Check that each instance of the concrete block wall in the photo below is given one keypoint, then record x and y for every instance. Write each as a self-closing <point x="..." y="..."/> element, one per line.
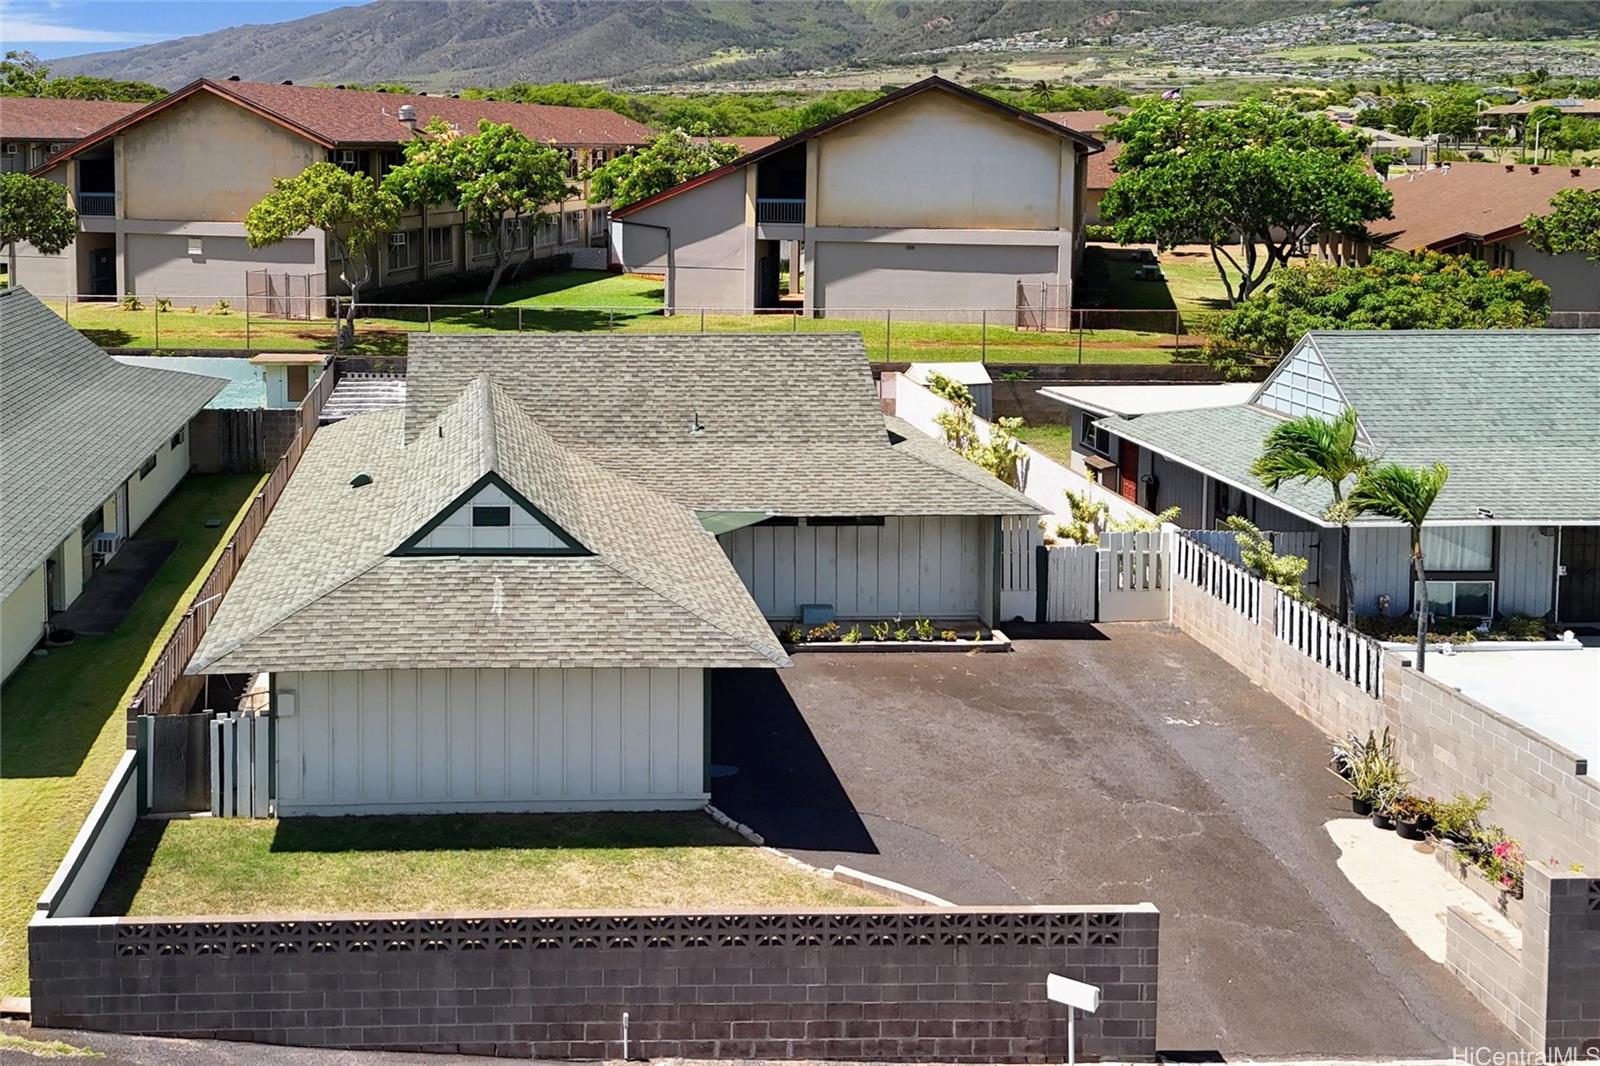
<point x="943" y="984"/>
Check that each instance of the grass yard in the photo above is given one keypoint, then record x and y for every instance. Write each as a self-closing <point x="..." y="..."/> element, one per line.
<point x="589" y="301"/>
<point x="61" y="717"/>
<point x="458" y="863"/>
<point x="1054" y="441"/>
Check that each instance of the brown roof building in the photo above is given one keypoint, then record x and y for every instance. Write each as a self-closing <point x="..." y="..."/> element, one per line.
<point x="1478" y="209"/>
<point x="1101" y="172"/>
<point x="34" y="128"/>
<point x="162" y="191"/>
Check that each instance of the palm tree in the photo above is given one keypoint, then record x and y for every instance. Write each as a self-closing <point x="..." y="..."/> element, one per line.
<point x="1041" y="93"/>
<point x="1311" y="448"/>
<point x="1405" y="493"/>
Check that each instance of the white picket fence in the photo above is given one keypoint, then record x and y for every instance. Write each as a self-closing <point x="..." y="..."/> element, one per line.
<point x="1307" y="544"/>
<point x="1019" y="542"/>
<point x="1356" y="658"/>
<point x="1233" y="585"/>
<point x="1070" y="583"/>
<point x="1133" y="576"/>
<point x="241" y="761"/>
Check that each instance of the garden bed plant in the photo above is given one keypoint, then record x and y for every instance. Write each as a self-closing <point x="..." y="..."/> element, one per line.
<point x="918" y="634"/>
<point x="1459" y="629"/>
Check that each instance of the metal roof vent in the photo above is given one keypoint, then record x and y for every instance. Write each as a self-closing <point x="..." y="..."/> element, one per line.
<point x="696" y="427"/>
<point x="361" y="479"/>
<point x="408" y="115"/>
<point x="233" y="77"/>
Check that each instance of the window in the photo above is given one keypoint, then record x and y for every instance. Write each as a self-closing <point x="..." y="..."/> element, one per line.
<point x="403" y="251"/>
<point x="177" y="439"/>
<point x="56" y="147"/>
<point x="572" y="161"/>
<point x="441" y="246"/>
<point x="348" y="160"/>
<point x="196" y="246"/>
<point x="1094" y="437"/>
<point x="11" y="148"/>
<point x="1458" y="548"/>
<point x="573" y="231"/>
<point x="390" y="160"/>
<point x="1469" y="599"/>
<point x="147" y="468"/>
<point x="547" y="232"/>
<point x="845" y="520"/>
<point x="491" y="516"/>
<point x="598" y="217"/>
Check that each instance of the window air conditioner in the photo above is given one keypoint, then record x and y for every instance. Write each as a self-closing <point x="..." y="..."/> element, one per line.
<point x="397" y="240"/>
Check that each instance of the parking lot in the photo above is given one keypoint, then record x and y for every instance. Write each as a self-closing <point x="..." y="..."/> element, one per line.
<point x="1111" y="764"/>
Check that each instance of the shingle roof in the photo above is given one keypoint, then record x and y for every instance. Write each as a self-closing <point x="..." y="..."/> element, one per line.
<point x="356" y="117"/>
<point x="74" y="424"/>
<point x="1514" y="414"/>
<point x="789" y="424"/>
<point x="323" y="588"/>
<point x="31" y="118"/>
<point x="1436" y="208"/>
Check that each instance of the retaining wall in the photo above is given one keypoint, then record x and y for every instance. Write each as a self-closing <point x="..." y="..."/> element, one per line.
<point x="946" y="984"/>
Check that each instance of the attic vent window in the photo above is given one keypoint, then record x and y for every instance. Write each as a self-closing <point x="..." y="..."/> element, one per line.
<point x="491" y="516"/>
<point x="361" y="479"/>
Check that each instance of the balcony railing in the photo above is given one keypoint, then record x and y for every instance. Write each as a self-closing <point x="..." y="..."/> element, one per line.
<point x="786" y="211"/>
<point x="97" y="203"/>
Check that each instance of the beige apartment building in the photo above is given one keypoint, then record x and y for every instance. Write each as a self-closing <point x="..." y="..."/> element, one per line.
<point x="934" y="199"/>
<point x="32" y="129"/>
<point x="162" y="192"/>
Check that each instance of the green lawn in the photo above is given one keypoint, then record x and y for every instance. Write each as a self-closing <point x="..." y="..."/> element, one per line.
<point x="590" y="301"/>
<point x="61" y="717"/>
<point x="1192" y="285"/>
<point x="1054" y="441"/>
<point x="526" y="863"/>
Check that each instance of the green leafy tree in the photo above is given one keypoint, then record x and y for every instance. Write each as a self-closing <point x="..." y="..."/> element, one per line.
<point x="668" y="160"/>
<point x="34" y="210"/>
<point x="494" y="177"/>
<point x="23" y="74"/>
<point x="352" y="212"/>
<point x="1573" y="224"/>
<point x="1261" y="559"/>
<point x="1397" y="290"/>
<point x="1405" y="494"/>
<point x="1250" y="182"/>
<point x="1310" y="449"/>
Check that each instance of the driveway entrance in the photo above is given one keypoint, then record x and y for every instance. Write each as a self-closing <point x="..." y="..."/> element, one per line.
<point x="1117" y="765"/>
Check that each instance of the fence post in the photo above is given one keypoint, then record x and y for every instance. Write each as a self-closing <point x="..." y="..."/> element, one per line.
<point x="702" y="320"/>
<point x="794" y="323"/>
<point x="983" y="337"/>
<point x="158" y="328"/>
<point x="1177" y="333"/>
<point x="430" y="316"/>
<point x="519" y="319"/>
<point x="247" y="323"/>
<point x="611" y="321"/>
<point x="888" y="333"/>
<point x="1080" y="337"/>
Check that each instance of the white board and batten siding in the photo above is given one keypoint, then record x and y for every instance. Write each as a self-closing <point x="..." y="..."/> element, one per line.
<point x="1381" y="565"/>
<point x="524" y="532"/>
<point x="380" y="741"/>
<point x="929" y="566"/>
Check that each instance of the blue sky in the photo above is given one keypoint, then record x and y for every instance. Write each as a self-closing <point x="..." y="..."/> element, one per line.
<point x="51" y="28"/>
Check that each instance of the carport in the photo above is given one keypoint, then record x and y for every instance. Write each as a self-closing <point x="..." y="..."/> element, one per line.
<point x="1111" y="765"/>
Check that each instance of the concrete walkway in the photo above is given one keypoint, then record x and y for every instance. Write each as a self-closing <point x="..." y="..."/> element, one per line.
<point x="1128" y="764"/>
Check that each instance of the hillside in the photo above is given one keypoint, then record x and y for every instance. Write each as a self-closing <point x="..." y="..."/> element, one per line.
<point x="455" y="43"/>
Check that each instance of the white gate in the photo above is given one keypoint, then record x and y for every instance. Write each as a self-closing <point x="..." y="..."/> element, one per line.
<point x="241" y="760"/>
<point x="1069" y="583"/>
<point x="1135" y="577"/>
<point x="1019" y="542"/>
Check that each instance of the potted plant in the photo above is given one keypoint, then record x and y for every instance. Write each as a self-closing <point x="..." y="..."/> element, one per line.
<point x="1385" y="797"/>
<point x="1371" y="770"/>
<point x="1413" y="816"/>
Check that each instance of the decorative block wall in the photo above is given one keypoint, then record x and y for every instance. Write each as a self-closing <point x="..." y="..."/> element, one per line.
<point x="946" y="984"/>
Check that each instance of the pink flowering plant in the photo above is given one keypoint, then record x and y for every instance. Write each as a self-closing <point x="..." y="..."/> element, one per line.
<point x="1500" y="858"/>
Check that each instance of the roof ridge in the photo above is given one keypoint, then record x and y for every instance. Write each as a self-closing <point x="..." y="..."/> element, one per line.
<point x="655" y="586"/>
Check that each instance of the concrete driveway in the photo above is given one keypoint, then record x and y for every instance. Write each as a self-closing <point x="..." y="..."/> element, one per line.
<point x="1108" y="765"/>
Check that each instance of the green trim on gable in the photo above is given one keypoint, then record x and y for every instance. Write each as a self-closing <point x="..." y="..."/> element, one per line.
<point x="411" y="546"/>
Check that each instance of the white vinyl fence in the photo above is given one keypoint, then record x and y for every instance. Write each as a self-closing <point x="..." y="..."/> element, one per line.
<point x="1020" y="540"/>
<point x="1134" y="571"/>
<point x="1233" y="585"/>
<point x="1070" y="583"/>
<point x="1307" y="544"/>
<point x="241" y="762"/>
<point x="1356" y="658"/>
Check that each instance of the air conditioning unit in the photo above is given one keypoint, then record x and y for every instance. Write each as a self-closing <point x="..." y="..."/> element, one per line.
<point x="347" y="156"/>
<point x="11" y="148"/>
<point x="397" y="240"/>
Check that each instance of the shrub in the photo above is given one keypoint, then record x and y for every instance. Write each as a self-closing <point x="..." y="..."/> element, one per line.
<point x="828" y="631"/>
<point x="1100" y="232"/>
<point x="949" y="635"/>
<point x="1258" y="556"/>
<point x="851" y="636"/>
<point x="792" y="634"/>
<point x="222" y="307"/>
<point x="163" y="304"/>
<point x="131" y="303"/>
<point x="924" y="629"/>
<point x="880" y="630"/>
<point x="902" y="634"/>
<point x="1458" y="817"/>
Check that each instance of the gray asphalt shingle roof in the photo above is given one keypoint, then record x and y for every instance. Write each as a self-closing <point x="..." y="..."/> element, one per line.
<point x="74" y="424"/>
<point x="789" y="424"/>
<point x="322" y="589"/>
<point x="1514" y="414"/>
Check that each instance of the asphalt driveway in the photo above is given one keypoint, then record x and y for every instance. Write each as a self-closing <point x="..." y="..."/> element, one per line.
<point x="1120" y="764"/>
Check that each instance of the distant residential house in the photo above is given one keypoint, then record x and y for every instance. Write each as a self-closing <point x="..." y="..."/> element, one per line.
<point x="1514" y="414"/>
<point x="162" y="192"/>
<point x="32" y="129"/>
<point x="933" y="199"/>
<point x="506" y="594"/>
<point x="1477" y="209"/>
<point x="1412" y="151"/>
<point x="1515" y="114"/>
<point x="88" y="448"/>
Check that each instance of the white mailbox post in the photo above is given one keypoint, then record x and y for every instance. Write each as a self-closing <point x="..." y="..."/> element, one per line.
<point x="1077" y="996"/>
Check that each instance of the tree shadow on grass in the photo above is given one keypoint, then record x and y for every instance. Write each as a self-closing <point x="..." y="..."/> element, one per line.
<point x="109" y="338"/>
<point x="488" y="832"/>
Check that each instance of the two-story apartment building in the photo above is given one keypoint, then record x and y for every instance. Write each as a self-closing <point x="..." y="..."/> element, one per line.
<point x="162" y="192"/>
<point x="32" y="129"/>
<point x="934" y="199"/>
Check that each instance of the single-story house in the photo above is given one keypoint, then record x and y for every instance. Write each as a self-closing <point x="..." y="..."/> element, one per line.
<point x="505" y="594"/>
<point x="1514" y="414"/>
<point x="1477" y="209"/>
<point x="1095" y="455"/>
<point x="998" y="203"/>
<point x="88" y="448"/>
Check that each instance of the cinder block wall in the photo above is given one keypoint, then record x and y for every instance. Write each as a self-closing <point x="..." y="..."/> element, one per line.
<point x="945" y="984"/>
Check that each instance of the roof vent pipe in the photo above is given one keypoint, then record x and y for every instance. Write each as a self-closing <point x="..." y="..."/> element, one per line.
<point x="408" y="115"/>
<point x="286" y="81"/>
<point x="233" y="77"/>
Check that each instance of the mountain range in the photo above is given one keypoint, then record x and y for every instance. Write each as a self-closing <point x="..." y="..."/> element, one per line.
<point x="441" y="44"/>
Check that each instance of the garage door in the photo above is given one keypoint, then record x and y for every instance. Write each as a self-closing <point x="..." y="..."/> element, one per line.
<point x="928" y="276"/>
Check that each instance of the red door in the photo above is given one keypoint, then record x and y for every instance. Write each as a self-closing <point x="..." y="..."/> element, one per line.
<point x="1128" y="468"/>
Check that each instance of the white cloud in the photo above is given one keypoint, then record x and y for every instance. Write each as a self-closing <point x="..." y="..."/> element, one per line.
<point x="22" y="29"/>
